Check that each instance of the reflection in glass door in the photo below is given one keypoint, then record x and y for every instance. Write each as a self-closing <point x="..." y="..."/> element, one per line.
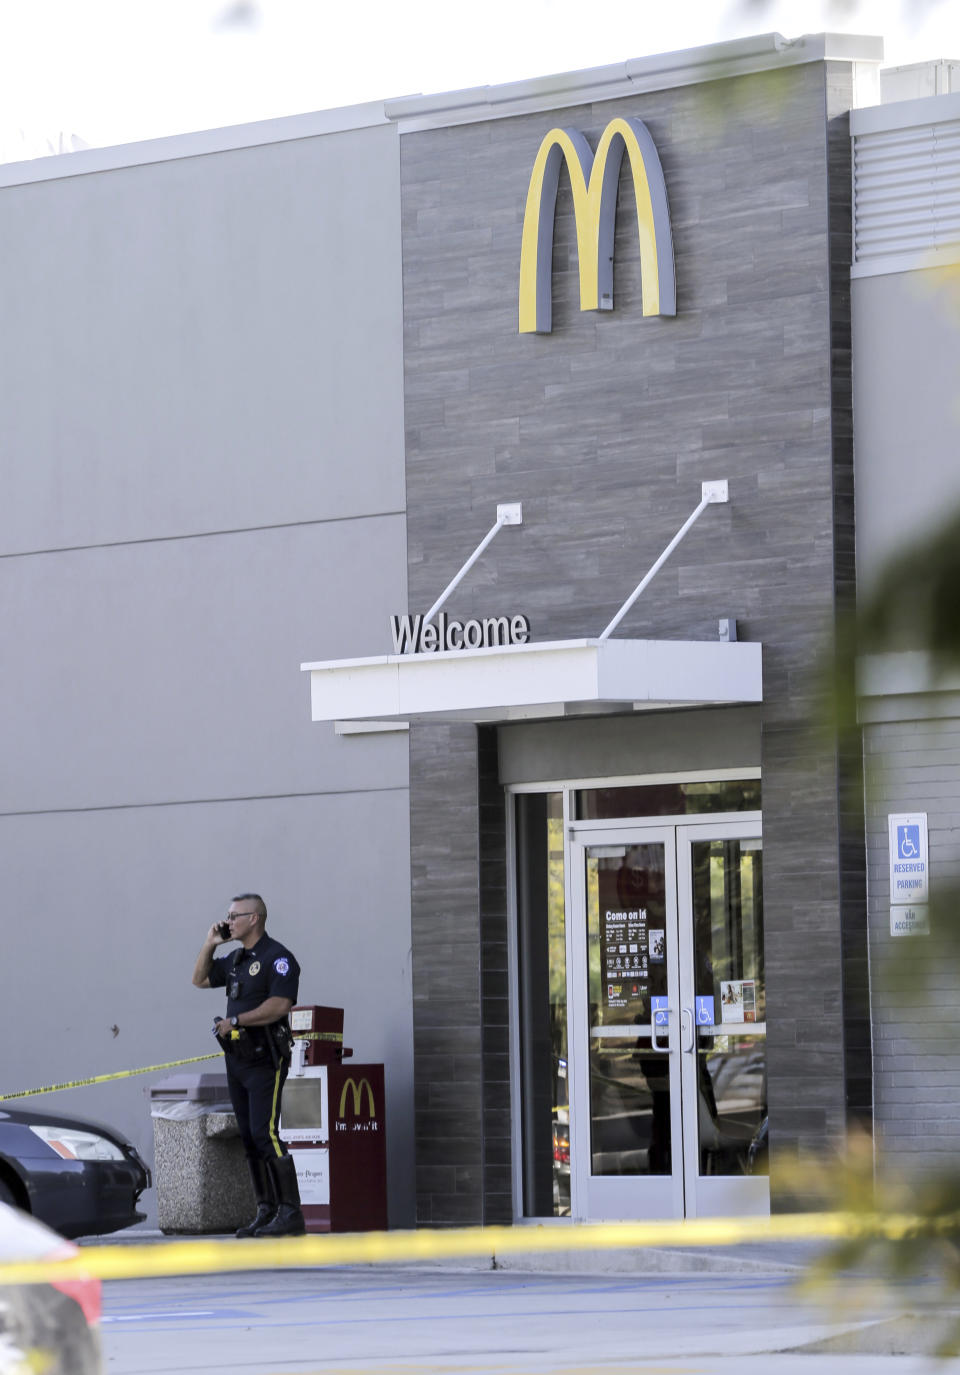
<point x="541" y="957"/>
<point x="725" y="1157"/>
<point x="627" y="972"/>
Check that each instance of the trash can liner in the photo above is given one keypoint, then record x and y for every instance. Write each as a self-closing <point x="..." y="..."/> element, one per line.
<point x="185" y="1111"/>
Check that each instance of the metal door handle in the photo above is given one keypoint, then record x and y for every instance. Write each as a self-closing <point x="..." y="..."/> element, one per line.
<point x="686" y="1019"/>
<point x="654" y="1043"/>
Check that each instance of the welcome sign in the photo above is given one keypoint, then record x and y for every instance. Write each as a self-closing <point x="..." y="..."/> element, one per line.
<point x="414" y="635"/>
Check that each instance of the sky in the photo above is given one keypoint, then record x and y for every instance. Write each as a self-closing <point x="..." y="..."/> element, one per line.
<point x="117" y="71"/>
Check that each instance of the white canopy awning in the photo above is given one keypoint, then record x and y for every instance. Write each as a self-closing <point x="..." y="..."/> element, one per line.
<point x="521" y="682"/>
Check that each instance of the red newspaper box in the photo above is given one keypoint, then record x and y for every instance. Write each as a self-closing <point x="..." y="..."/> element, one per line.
<point x="321" y="1031"/>
<point x="333" y="1122"/>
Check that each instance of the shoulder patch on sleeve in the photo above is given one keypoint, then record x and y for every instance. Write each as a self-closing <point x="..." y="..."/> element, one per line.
<point x="282" y="966"/>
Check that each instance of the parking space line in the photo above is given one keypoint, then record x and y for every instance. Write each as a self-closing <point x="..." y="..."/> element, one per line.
<point x="141" y="1317"/>
<point x="445" y="1368"/>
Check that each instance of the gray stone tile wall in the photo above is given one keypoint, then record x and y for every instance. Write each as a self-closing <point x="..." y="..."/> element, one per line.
<point x="858" y="1067"/>
<point x="460" y="979"/>
<point x="497" y="1196"/>
<point x="605" y="429"/>
<point x="447" y="1031"/>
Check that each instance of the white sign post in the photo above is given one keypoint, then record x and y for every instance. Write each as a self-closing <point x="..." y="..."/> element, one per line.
<point x="909" y="874"/>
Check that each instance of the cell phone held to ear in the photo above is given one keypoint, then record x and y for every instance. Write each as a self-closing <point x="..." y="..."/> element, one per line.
<point x="223" y="929"/>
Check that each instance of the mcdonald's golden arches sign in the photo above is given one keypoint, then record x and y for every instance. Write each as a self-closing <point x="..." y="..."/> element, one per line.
<point x="356" y="1091"/>
<point x="594" y="179"/>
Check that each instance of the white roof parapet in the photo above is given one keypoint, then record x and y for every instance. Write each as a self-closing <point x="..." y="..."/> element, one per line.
<point x="173" y="147"/>
<point x="686" y="67"/>
<point x="553" y="678"/>
<point x="906" y="114"/>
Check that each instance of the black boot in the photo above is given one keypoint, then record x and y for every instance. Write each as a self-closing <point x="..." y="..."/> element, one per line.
<point x="265" y="1194"/>
<point x="288" y="1219"/>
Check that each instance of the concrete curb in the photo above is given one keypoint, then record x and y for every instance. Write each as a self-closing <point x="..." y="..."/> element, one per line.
<point x="786" y="1259"/>
<point x="652" y="1261"/>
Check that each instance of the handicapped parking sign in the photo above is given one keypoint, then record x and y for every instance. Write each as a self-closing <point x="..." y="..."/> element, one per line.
<point x="704" y="1011"/>
<point x="909" y="859"/>
<point x="908" y="842"/>
<point x="661" y="1011"/>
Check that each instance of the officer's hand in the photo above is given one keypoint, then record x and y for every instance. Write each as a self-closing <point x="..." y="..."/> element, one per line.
<point x="215" y="936"/>
<point x="223" y="1027"/>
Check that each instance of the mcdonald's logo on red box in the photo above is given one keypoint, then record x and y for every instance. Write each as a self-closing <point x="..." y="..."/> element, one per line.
<point x="353" y="1092"/>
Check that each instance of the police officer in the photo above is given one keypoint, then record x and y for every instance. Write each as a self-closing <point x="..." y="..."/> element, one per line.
<point x="261" y="979"/>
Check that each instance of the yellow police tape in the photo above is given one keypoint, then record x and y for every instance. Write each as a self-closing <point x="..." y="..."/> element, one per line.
<point x="361" y="1248"/>
<point x="102" y="1078"/>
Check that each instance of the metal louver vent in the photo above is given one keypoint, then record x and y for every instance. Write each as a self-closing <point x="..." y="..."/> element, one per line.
<point x="906" y="185"/>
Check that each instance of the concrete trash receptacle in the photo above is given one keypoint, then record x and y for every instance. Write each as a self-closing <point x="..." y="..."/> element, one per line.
<point x="201" y="1175"/>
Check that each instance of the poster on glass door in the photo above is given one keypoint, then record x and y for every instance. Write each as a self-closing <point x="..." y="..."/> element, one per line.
<point x="625" y="953"/>
<point x="738" y="1000"/>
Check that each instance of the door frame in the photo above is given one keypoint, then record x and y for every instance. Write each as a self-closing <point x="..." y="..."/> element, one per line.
<point x="708" y="1195"/>
<point x="571" y="830"/>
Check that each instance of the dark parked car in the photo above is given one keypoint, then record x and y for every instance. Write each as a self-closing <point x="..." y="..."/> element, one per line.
<point x="79" y="1177"/>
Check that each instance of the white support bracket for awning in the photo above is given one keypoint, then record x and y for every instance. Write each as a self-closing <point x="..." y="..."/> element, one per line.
<point x="712" y="494"/>
<point x="508" y="513"/>
<point x="535" y="682"/>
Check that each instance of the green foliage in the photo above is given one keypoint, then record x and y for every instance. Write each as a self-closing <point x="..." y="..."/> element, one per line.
<point x="913" y="606"/>
<point x="915" y="603"/>
<point x="924" y="1255"/>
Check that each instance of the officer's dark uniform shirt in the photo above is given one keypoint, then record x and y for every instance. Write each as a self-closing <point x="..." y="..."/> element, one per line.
<point x="250" y="977"/>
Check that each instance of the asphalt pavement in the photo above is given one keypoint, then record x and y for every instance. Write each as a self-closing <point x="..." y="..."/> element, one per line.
<point x="482" y="1321"/>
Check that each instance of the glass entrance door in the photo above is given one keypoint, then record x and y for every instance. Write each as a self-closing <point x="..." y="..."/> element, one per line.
<point x="723" y="1020"/>
<point x="667" y="1021"/>
<point x="625" y="1103"/>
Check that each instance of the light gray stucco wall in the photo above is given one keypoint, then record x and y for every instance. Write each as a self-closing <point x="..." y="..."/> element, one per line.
<point x="209" y="343"/>
<point x="906" y="373"/>
<point x="201" y="446"/>
<point x="906" y="402"/>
